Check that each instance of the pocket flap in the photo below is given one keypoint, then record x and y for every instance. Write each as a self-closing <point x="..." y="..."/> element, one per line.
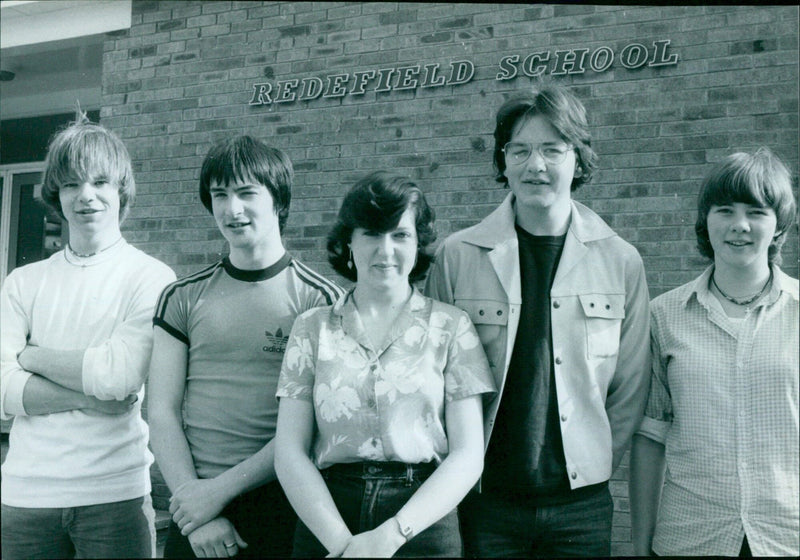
<point x="605" y="306"/>
<point x="485" y="312"/>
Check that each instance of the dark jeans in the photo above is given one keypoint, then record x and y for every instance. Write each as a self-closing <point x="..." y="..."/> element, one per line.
<point x="494" y="526"/>
<point x="114" y="530"/>
<point x="262" y="517"/>
<point x="367" y="494"/>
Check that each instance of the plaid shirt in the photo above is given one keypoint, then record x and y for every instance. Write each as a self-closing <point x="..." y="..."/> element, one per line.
<point x="724" y="402"/>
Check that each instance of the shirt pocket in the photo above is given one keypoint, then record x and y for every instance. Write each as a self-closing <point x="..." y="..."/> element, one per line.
<point x="490" y="318"/>
<point x="603" y="315"/>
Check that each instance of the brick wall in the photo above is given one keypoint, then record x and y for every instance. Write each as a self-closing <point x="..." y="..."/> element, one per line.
<point x="181" y="78"/>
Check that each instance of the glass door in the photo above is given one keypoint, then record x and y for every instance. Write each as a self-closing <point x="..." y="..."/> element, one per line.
<point x="28" y="231"/>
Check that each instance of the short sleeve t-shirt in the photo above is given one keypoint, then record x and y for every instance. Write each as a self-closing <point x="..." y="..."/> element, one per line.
<point x="236" y="324"/>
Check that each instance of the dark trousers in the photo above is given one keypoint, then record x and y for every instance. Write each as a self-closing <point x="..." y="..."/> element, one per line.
<point x="367" y="494"/>
<point x="262" y="517"/>
<point x="512" y="527"/>
<point x="114" y="530"/>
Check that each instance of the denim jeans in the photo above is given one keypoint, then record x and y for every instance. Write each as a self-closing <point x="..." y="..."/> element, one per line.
<point x="115" y="530"/>
<point x="263" y="518"/>
<point x="494" y="526"/>
<point x="367" y="494"/>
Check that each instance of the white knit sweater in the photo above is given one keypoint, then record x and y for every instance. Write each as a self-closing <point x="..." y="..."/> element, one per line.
<point x="103" y="304"/>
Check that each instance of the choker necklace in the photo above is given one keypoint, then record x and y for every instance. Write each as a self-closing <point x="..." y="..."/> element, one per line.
<point x="87" y="255"/>
<point x="745" y="300"/>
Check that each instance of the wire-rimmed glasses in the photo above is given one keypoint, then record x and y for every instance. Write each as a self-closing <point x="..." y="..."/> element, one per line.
<point x="519" y="152"/>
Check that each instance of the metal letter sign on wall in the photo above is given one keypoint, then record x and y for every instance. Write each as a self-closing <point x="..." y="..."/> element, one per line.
<point x="557" y="63"/>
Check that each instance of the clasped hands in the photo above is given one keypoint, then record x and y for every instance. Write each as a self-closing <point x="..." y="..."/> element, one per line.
<point x="381" y="542"/>
<point x="195" y="506"/>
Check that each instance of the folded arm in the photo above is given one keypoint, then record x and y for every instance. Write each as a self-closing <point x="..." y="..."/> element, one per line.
<point x="42" y="396"/>
<point x="63" y="367"/>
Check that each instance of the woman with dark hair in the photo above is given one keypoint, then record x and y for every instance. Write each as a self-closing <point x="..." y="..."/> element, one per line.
<point x="380" y="419"/>
<point x="715" y="462"/>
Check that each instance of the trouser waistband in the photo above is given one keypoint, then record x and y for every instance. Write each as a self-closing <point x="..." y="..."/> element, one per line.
<point x="382" y="469"/>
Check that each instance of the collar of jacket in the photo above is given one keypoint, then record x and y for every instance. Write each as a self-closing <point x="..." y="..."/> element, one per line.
<point x="498" y="227"/>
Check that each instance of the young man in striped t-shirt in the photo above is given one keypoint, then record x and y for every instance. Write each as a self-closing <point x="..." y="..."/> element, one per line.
<point x="219" y="341"/>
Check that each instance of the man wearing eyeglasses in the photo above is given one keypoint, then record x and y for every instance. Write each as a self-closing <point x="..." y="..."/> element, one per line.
<point x="560" y="303"/>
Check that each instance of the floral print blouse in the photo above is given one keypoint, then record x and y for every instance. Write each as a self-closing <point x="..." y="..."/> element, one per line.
<point x="387" y="403"/>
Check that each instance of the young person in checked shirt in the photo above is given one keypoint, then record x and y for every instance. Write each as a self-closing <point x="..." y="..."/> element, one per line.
<point x="715" y="461"/>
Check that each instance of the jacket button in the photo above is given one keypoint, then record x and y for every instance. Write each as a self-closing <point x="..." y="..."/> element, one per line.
<point x="574" y="475"/>
<point x="563" y="417"/>
<point x="480" y="312"/>
<point x="556" y="304"/>
<point x="591" y="304"/>
<point x="608" y="306"/>
<point x="558" y="361"/>
<point x="499" y="312"/>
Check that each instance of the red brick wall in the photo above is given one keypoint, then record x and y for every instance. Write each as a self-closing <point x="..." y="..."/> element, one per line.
<point x="182" y="76"/>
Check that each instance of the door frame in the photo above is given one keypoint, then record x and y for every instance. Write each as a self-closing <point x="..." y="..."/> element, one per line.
<point x="7" y="172"/>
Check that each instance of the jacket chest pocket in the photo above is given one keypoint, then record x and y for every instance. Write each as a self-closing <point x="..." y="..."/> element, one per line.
<point x="603" y="315"/>
<point x="490" y="318"/>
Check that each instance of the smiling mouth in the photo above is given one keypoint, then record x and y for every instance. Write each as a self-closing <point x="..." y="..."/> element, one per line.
<point x="738" y="243"/>
<point x="238" y="225"/>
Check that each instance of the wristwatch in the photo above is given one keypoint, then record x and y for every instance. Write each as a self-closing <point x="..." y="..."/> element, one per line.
<point x="405" y="528"/>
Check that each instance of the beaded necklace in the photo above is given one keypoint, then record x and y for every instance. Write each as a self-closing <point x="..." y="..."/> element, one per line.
<point x="745" y="300"/>
<point x="86" y="256"/>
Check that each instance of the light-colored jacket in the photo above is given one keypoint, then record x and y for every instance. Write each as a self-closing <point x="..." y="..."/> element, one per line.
<point x="600" y="327"/>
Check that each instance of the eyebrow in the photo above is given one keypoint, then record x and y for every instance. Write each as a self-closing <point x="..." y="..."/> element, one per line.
<point x="246" y="186"/>
<point x="72" y="178"/>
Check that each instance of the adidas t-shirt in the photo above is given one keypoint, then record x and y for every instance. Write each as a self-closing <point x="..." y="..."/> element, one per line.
<point x="236" y="324"/>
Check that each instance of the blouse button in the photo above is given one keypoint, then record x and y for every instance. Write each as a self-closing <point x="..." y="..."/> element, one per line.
<point x="563" y="417"/>
<point x="608" y="306"/>
<point x="499" y="311"/>
<point x="556" y="304"/>
<point x="591" y="304"/>
<point x="371" y="403"/>
<point x="574" y="475"/>
<point x="373" y="367"/>
<point x="558" y="361"/>
<point x="480" y="312"/>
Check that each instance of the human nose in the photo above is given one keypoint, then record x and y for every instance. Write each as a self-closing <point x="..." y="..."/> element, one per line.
<point x="234" y="205"/>
<point x="740" y="222"/>
<point x="385" y="244"/>
<point x="85" y="191"/>
<point x="536" y="159"/>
